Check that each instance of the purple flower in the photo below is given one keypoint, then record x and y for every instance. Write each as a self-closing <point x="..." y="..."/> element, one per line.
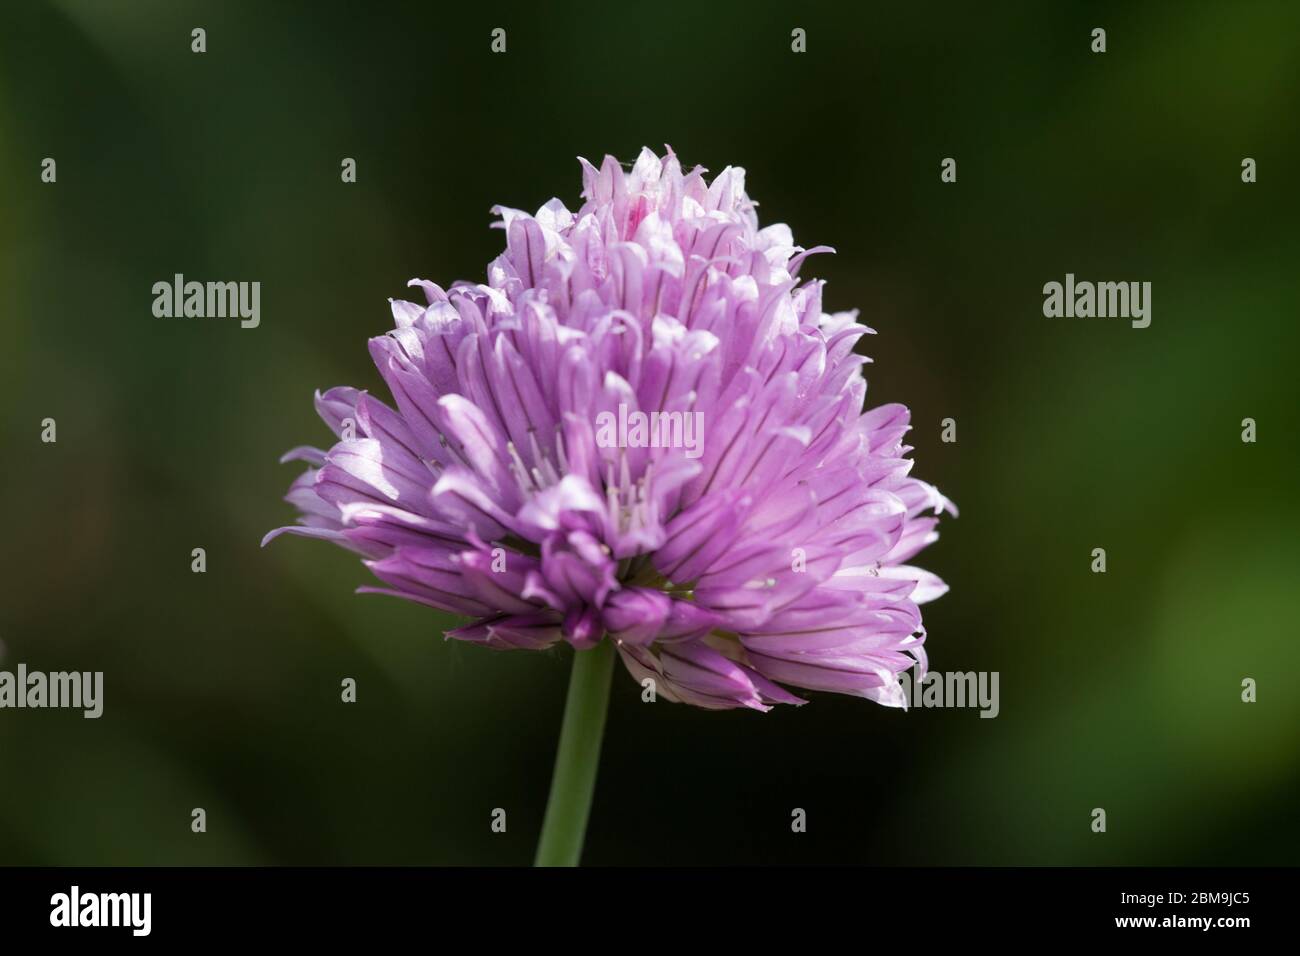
<point x="642" y="428"/>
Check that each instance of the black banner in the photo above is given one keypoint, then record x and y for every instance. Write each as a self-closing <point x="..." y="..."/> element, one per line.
<point x="498" y="905"/>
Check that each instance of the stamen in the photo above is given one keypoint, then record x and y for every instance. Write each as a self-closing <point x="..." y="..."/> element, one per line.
<point x="559" y="450"/>
<point x="519" y="468"/>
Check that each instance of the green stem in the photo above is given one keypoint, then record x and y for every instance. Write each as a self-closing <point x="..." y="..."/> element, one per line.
<point x="577" y="757"/>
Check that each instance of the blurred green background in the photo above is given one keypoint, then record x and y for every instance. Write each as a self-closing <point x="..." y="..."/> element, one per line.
<point x="1119" y="690"/>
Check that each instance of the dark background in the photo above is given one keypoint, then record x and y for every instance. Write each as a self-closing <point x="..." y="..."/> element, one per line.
<point x="1119" y="691"/>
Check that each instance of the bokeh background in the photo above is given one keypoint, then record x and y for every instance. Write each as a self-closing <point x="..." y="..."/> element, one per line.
<point x="1119" y="691"/>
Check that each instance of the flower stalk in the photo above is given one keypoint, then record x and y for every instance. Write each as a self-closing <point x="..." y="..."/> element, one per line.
<point x="577" y="758"/>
